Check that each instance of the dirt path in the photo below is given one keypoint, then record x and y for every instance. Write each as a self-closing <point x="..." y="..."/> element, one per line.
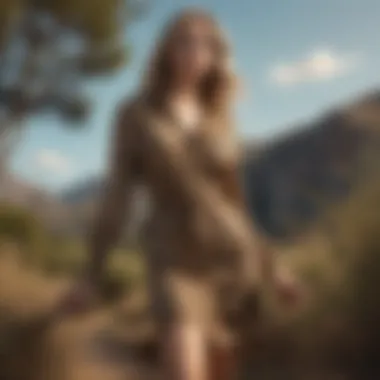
<point x="100" y="346"/>
<point x="86" y="348"/>
<point x="90" y="351"/>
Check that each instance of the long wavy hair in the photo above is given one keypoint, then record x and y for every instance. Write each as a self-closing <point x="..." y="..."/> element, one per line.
<point x="217" y="88"/>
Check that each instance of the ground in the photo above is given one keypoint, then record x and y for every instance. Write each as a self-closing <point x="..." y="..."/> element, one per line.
<point x="108" y="344"/>
<point x="81" y="348"/>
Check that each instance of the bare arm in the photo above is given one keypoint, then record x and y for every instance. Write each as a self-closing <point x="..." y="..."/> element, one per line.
<point x="115" y="205"/>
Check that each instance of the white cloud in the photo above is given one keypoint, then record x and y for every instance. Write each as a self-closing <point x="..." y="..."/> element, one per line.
<point x="319" y="65"/>
<point x="53" y="161"/>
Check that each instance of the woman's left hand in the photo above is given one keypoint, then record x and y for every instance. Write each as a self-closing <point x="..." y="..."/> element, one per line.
<point x="288" y="288"/>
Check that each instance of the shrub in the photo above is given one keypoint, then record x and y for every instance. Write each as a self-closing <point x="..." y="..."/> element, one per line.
<point x="20" y="227"/>
<point x="124" y="271"/>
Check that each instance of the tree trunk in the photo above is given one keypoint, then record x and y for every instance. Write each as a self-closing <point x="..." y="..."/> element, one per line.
<point x="9" y="138"/>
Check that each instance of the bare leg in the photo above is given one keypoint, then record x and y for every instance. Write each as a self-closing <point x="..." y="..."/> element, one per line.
<point x="185" y="353"/>
<point x="223" y="364"/>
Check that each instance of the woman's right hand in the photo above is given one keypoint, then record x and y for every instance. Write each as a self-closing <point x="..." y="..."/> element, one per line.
<point x="81" y="298"/>
<point x="289" y="290"/>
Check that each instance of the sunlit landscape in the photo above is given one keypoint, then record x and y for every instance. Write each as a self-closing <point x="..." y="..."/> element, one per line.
<point x="311" y="187"/>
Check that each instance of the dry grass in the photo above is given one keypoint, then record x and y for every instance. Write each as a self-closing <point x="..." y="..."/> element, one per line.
<point x="102" y="345"/>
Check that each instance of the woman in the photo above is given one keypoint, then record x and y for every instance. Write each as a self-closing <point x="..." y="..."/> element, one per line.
<point x="186" y="103"/>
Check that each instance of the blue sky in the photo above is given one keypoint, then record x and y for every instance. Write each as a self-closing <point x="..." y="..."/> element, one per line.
<point x="295" y="58"/>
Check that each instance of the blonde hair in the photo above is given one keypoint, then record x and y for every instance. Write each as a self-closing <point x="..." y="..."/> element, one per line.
<point x="218" y="87"/>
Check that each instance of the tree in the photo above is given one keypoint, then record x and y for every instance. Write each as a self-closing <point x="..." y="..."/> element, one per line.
<point x="46" y="48"/>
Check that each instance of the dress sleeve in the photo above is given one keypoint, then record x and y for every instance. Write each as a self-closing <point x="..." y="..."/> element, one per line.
<point x="124" y="163"/>
<point x="123" y="173"/>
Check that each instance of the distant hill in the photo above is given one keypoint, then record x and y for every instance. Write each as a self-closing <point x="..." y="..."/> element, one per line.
<point x="81" y="191"/>
<point x="42" y="204"/>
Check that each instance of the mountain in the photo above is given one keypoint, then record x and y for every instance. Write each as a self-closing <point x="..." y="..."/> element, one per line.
<point x="295" y="178"/>
<point x="289" y="182"/>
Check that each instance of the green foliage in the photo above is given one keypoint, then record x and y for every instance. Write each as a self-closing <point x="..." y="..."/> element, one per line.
<point x="73" y="110"/>
<point x="57" y="255"/>
<point x="95" y="65"/>
<point x="97" y="18"/>
<point x="124" y="272"/>
<point x="9" y="10"/>
<point x="362" y="245"/>
<point x="341" y="271"/>
<point x="100" y="22"/>
<point x="46" y="28"/>
<point x="18" y="226"/>
<point x="63" y="257"/>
